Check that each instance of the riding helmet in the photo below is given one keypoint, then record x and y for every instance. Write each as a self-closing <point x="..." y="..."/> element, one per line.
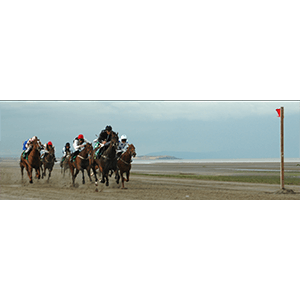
<point x="50" y="143"/>
<point x="123" y="137"/>
<point x="80" y="136"/>
<point x="108" y="128"/>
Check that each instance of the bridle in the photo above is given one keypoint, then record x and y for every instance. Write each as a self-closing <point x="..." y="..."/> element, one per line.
<point x="89" y="153"/>
<point x="131" y="153"/>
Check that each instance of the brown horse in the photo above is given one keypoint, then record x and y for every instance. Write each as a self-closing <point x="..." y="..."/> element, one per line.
<point x="107" y="161"/>
<point x="124" y="163"/>
<point x="64" y="164"/>
<point x="81" y="163"/>
<point x="33" y="161"/>
<point x="48" y="162"/>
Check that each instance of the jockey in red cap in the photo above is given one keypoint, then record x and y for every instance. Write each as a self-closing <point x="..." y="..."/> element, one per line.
<point x="78" y="143"/>
<point x="47" y="148"/>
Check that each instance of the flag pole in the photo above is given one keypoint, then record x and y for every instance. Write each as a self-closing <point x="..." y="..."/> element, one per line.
<point x="282" y="148"/>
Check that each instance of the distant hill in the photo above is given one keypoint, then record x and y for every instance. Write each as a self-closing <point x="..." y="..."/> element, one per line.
<point x="156" y="157"/>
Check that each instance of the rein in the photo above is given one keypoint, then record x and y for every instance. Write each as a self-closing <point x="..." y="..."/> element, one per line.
<point x="130" y="155"/>
<point x="88" y="155"/>
<point x="123" y="161"/>
<point x="83" y="157"/>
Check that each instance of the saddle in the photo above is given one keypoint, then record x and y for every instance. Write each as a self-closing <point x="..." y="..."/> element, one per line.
<point x="73" y="156"/>
<point x="25" y="155"/>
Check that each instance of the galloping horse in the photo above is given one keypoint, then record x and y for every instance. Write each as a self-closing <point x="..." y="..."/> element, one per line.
<point x="33" y="161"/>
<point x="81" y="163"/>
<point x="48" y="162"/>
<point x="107" y="161"/>
<point x="124" y="163"/>
<point x="64" y="165"/>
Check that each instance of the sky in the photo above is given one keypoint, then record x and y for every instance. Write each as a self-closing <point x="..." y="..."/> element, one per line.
<point x="184" y="129"/>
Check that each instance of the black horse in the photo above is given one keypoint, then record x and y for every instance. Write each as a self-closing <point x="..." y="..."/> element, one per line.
<point x="48" y="162"/>
<point x="107" y="161"/>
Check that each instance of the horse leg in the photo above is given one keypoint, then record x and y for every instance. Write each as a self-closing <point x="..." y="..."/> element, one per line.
<point x="76" y="173"/>
<point x="117" y="176"/>
<point x="106" y="176"/>
<point x="39" y="172"/>
<point x="29" y="172"/>
<point x="103" y="177"/>
<point x="83" y="181"/>
<point x="49" y="174"/>
<point x="123" y="179"/>
<point x="127" y="175"/>
<point x="96" y="179"/>
<point x="72" y="173"/>
<point x="43" y="171"/>
<point x="22" y="170"/>
<point x="89" y="173"/>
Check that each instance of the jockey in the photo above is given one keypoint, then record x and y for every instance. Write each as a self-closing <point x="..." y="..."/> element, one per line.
<point x="104" y="139"/>
<point x="78" y="143"/>
<point x="66" y="149"/>
<point x="123" y="145"/>
<point x="27" y="145"/>
<point x="47" y="148"/>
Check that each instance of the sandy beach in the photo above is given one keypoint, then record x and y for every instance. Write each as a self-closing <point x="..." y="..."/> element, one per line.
<point x="149" y="187"/>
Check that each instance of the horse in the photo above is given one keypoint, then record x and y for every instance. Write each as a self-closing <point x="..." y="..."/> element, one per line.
<point x="64" y="164"/>
<point x="48" y="162"/>
<point x="33" y="161"/>
<point x="81" y="163"/>
<point x="124" y="163"/>
<point x="107" y="161"/>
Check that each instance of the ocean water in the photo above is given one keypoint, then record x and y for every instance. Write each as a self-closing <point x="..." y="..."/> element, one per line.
<point x="200" y="161"/>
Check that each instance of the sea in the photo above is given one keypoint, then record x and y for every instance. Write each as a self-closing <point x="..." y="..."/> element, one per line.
<point x="206" y="161"/>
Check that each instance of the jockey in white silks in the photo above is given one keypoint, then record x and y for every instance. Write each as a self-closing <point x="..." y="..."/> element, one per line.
<point x="78" y="143"/>
<point x="123" y="145"/>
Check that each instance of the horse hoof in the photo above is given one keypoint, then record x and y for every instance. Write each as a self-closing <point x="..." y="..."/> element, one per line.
<point x="30" y="181"/>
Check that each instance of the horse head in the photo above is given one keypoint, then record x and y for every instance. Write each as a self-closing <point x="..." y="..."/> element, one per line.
<point x="51" y="152"/>
<point x="36" y="144"/>
<point x="88" y="148"/>
<point x="114" y="142"/>
<point x="131" y="150"/>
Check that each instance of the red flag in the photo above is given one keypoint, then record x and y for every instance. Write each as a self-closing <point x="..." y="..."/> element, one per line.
<point x="278" y="111"/>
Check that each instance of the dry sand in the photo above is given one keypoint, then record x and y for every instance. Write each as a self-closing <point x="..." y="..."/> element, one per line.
<point x="147" y="187"/>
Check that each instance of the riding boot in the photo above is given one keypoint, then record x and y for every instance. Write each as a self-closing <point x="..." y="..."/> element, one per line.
<point x="74" y="155"/>
<point x="26" y="152"/>
<point x="100" y="152"/>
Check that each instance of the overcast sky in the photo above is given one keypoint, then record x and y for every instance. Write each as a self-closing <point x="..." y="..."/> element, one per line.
<point x="219" y="129"/>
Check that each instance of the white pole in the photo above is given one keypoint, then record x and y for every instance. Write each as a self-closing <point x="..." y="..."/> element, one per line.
<point x="282" y="148"/>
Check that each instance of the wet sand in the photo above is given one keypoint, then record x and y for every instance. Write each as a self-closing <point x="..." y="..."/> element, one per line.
<point x="141" y="187"/>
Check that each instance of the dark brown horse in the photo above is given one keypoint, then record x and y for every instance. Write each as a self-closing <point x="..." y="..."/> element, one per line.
<point x="64" y="164"/>
<point x="124" y="163"/>
<point x="81" y="163"/>
<point x="33" y="161"/>
<point x="107" y="161"/>
<point x="48" y="162"/>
